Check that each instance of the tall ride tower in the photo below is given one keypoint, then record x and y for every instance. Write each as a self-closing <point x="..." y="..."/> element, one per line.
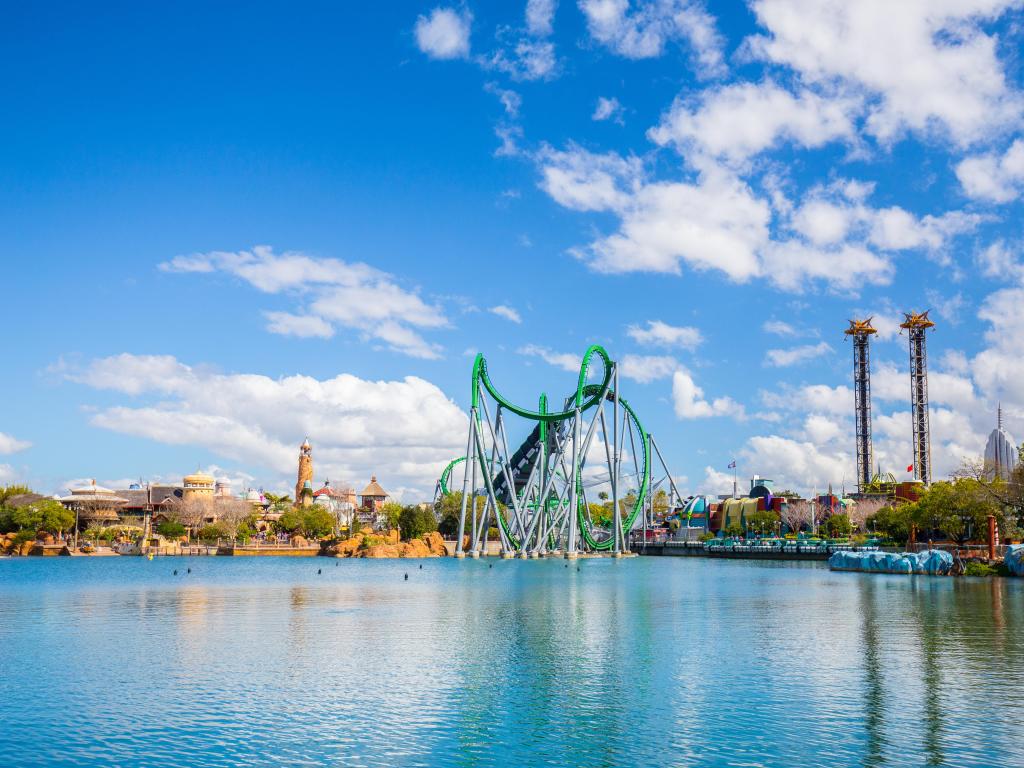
<point x="860" y="331"/>
<point x="916" y="324"/>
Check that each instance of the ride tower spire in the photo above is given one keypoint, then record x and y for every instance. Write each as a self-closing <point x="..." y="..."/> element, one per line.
<point x="916" y="323"/>
<point x="861" y="331"/>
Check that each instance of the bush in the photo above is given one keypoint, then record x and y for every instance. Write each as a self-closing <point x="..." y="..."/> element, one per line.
<point x="414" y="522"/>
<point x="170" y="529"/>
<point x="492" y="534"/>
<point x="211" y="532"/>
<point x="706" y="536"/>
<point x="978" y="568"/>
<point x="22" y="536"/>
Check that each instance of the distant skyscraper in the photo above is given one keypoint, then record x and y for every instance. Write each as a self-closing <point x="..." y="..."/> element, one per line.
<point x="1000" y="451"/>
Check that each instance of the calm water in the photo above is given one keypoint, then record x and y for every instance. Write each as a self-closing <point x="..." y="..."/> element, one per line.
<point x="647" y="661"/>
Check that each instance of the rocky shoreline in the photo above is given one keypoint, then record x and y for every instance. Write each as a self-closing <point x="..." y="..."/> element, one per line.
<point x="386" y="545"/>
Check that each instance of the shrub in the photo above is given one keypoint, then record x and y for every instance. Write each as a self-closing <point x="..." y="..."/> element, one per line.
<point x="211" y="532"/>
<point x="171" y="529"/>
<point x="492" y="534"/>
<point x="706" y="536"/>
<point x="978" y="568"/>
<point x="22" y="536"/>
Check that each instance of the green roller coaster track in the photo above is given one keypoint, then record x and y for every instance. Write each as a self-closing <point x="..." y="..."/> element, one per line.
<point x="586" y="398"/>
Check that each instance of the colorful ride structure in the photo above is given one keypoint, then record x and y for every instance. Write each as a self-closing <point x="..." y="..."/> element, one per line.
<point x="544" y="497"/>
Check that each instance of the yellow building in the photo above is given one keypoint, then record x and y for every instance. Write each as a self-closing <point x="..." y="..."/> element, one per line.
<point x="198" y="486"/>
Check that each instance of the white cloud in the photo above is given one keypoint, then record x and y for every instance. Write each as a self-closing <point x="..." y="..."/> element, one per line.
<point x="303" y="326"/>
<point x="717" y="222"/>
<point x="740" y="120"/>
<point x="403" y="431"/>
<point x="663" y="334"/>
<point x="993" y="177"/>
<point x="338" y="293"/>
<point x="11" y="444"/>
<point x="689" y="402"/>
<point x="507" y="312"/>
<point x="794" y="355"/>
<point x="526" y="59"/>
<point x="715" y="483"/>
<point x="444" y="34"/>
<point x="510" y="100"/>
<point x="796" y="463"/>
<point x="921" y="64"/>
<point x="647" y="368"/>
<point x="607" y="109"/>
<point x="1002" y="261"/>
<point x="642" y="31"/>
<point x="563" y="360"/>
<point x="779" y="328"/>
<point x="540" y="16"/>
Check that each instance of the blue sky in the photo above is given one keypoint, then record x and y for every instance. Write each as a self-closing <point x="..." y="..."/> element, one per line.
<point x="225" y="228"/>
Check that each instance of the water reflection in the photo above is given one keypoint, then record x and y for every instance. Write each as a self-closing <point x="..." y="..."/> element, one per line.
<point x="642" y="662"/>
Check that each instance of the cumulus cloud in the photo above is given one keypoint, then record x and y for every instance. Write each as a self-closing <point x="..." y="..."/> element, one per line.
<point x="444" y="33"/>
<point x="564" y="360"/>
<point x="998" y="178"/>
<point x="690" y="403"/>
<point x="779" y="328"/>
<point x="540" y="15"/>
<point x="735" y="122"/>
<point x="336" y="293"/>
<point x="921" y="65"/>
<point x="10" y="444"/>
<point x="608" y="109"/>
<point x="641" y="31"/>
<point x="403" y="430"/>
<point x="647" y="368"/>
<point x="662" y="334"/>
<point x="780" y="358"/>
<point x="507" y="312"/>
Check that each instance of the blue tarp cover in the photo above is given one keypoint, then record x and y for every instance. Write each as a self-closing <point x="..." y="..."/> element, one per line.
<point x="933" y="562"/>
<point x="1015" y="559"/>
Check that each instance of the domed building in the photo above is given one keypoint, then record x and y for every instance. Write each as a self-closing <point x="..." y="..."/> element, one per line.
<point x="1000" y="451"/>
<point x="199" y="486"/>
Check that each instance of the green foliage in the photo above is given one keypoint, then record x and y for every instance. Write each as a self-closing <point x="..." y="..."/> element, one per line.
<point x="42" y="515"/>
<point x="762" y="521"/>
<point x="244" y="532"/>
<point x="276" y="502"/>
<point x="317" y="522"/>
<point x="601" y="514"/>
<point x="22" y="536"/>
<point x="706" y="536"/>
<point x="733" y="529"/>
<point x="787" y="494"/>
<point x="211" y="532"/>
<point x="659" y="502"/>
<point x="979" y="568"/>
<point x="291" y="521"/>
<point x="392" y="511"/>
<point x="355" y="526"/>
<point x="171" y="529"/>
<point x="838" y="526"/>
<point x="893" y="522"/>
<point x="450" y="508"/>
<point x="958" y="510"/>
<point x="493" y="534"/>
<point x="414" y="522"/>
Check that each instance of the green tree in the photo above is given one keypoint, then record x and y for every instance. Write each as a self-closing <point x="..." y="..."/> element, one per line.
<point x="415" y="522"/>
<point x="893" y="522"/>
<point x="392" y="511"/>
<point x="278" y="502"/>
<point x="211" y="532"/>
<point x="450" y="508"/>
<point x="171" y="529"/>
<point x="838" y="526"/>
<point x="290" y="521"/>
<point x="659" y="503"/>
<point x="601" y="514"/>
<point x="762" y="522"/>
<point x="317" y="522"/>
<point x="43" y="515"/>
<point x="733" y="529"/>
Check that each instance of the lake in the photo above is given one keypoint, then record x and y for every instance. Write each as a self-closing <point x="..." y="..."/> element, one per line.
<point x="643" y="661"/>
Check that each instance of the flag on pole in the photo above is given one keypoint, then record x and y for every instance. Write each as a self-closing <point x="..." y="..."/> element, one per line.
<point x="910" y="468"/>
<point x="732" y="464"/>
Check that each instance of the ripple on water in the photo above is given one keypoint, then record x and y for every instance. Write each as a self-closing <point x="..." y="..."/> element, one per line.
<point x="652" y="661"/>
